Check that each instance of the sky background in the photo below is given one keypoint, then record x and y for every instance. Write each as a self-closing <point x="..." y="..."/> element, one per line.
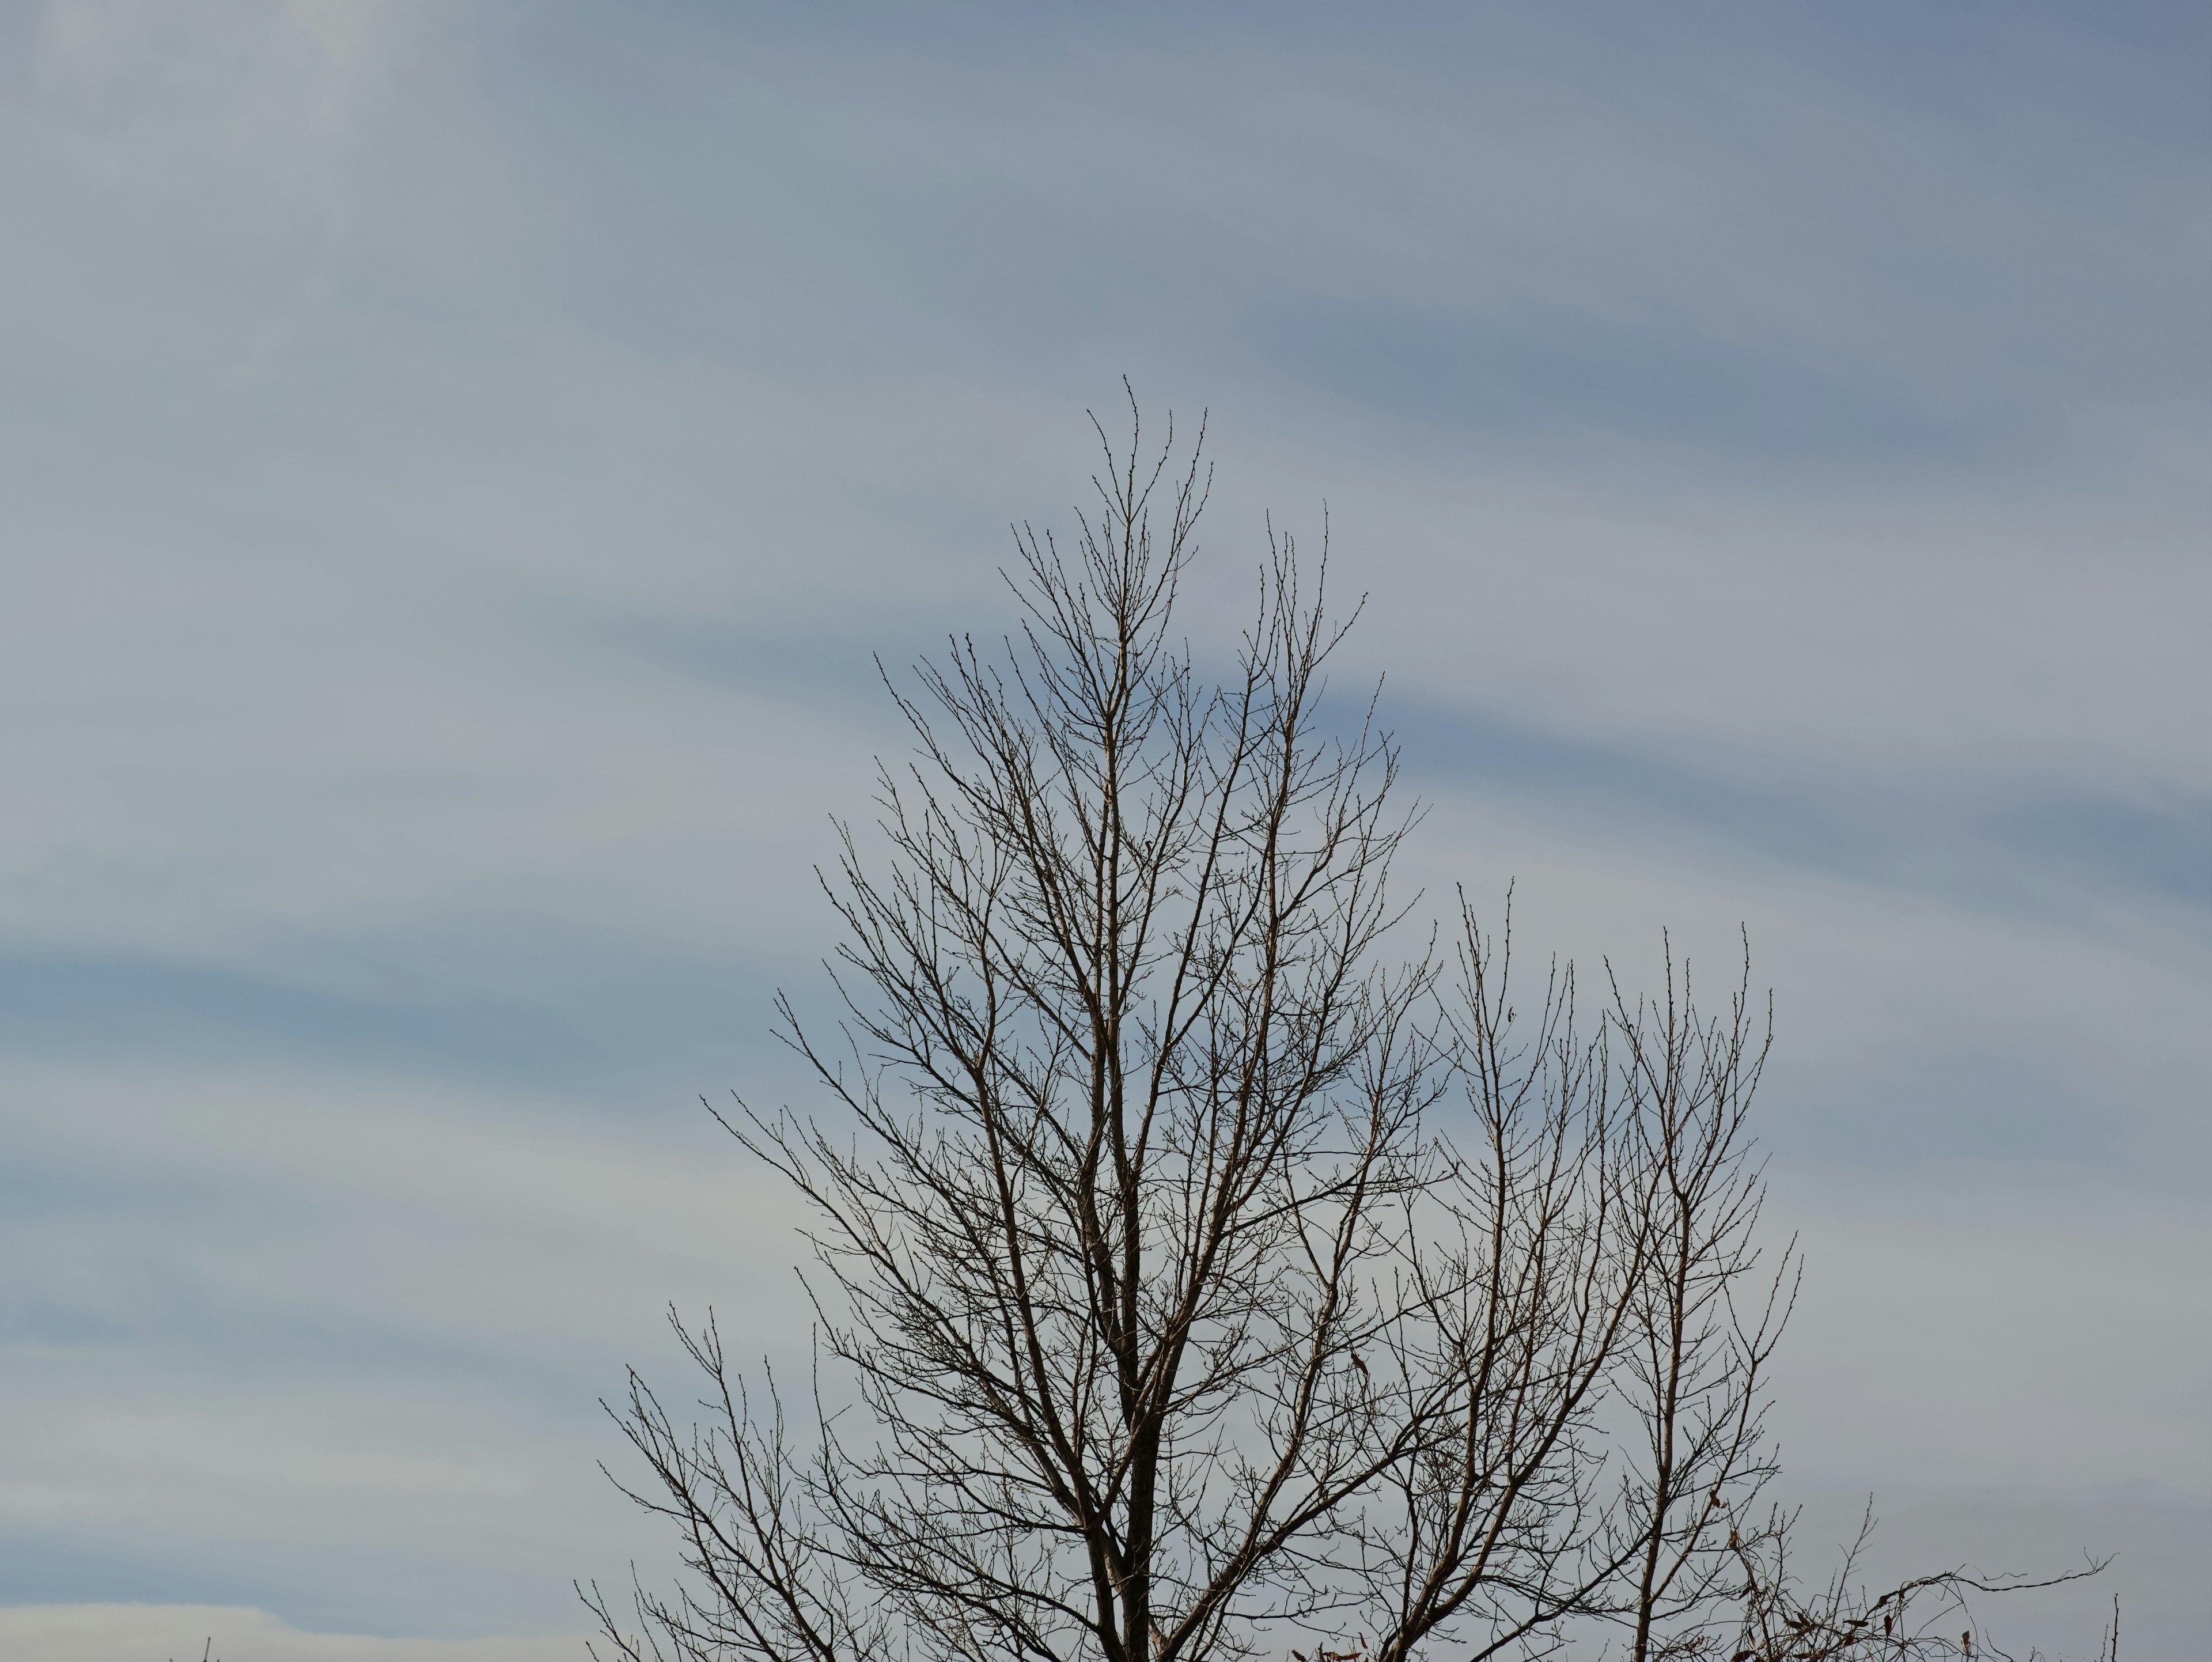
<point x="458" y="460"/>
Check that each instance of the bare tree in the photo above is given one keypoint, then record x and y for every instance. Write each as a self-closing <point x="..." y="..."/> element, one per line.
<point x="1693" y="1370"/>
<point x="1197" y="1277"/>
<point x="1926" y="1618"/>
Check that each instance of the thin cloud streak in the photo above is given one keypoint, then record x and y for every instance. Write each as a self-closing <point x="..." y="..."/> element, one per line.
<point x="461" y="461"/>
<point x="2003" y="844"/>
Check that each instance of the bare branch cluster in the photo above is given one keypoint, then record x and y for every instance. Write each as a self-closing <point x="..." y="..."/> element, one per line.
<point x="1209" y="1282"/>
<point x="1771" y="1617"/>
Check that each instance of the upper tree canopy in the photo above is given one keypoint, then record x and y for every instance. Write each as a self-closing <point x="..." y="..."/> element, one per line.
<point x="1218" y="1266"/>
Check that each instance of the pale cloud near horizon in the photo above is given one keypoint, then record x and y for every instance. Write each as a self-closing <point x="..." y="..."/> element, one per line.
<point x="186" y="1633"/>
<point x="460" y="462"/>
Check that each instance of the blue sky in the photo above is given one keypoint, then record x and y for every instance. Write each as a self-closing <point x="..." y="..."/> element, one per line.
<point x="458" y="461"/>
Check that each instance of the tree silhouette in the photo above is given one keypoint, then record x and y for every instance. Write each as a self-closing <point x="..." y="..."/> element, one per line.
<point x="1209" y="1280"/>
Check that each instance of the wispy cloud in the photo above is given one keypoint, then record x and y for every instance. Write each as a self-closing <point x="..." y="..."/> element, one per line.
<point x="460" y="462"/>
<point x="2010" y="845"/>
<point x="95" y="1633"/>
